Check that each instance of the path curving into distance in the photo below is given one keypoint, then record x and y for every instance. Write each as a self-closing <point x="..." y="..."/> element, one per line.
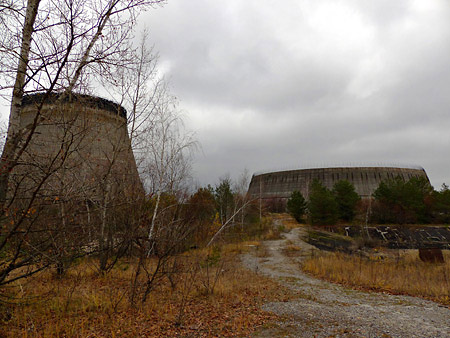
<point x="323" y="309"/>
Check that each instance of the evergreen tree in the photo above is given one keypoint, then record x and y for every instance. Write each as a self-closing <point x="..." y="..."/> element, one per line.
<point x="296" y="205"/>
<point x="404" y="202"/>
<point x="224" y="197"/>
<point x="346" y="199"/>
<point x="322" y="206"/>
<point x="441" y="207"/>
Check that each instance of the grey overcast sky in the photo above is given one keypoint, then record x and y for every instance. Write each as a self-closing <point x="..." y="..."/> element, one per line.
<point x="271" y="84"/>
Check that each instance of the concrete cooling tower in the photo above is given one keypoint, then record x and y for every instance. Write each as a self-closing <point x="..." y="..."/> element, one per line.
<point x="81" y="144"/>
<point x="281" y="184"/>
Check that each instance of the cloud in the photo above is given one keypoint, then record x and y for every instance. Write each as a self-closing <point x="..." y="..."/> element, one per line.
<point x="269" y="84"/>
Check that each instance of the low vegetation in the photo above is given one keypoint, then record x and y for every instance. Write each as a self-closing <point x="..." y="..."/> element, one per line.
<point x="208" y="294"/>
<point x="395" y="201"/>
<point x="169" y="268"/>
<point x="398" y="273"/>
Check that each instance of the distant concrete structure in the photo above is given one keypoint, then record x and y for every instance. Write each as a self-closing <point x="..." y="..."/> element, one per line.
<point x="81" y="142"/>
<point x="281" y="184"/>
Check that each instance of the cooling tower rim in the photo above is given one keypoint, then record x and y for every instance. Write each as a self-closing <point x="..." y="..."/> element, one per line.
<point x="347" y="166"/>
<point x="95" y="102"/>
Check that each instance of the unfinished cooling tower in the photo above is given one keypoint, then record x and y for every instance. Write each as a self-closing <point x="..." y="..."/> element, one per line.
<point x="80" y="148"/>
<point x="281" y="184"/>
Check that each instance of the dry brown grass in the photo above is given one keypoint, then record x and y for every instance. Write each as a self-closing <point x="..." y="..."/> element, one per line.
<point x="86" y="304"/>
<point x="272" y="234"/>
<point x="399" y="274"/>
<point x="291" y="250"/>
<point x="287" y="220"/>
<point x="290" y="223"/>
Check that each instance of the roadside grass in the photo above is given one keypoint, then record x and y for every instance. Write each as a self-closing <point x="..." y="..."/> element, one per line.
<point x="398" y="273"/>
<point x="290" y="223"/>
<point x="290" y="249"/>
<point x="205" y="298"/>
<point x="287" y="220"/>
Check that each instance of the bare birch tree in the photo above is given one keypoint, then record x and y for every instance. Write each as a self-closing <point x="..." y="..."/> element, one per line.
<point x="166" y="161"/>
<point x="163" y="151"/>
<point x="162" y="146"/>
<point x="49" y="46"/>
<point x="59" y="45"/>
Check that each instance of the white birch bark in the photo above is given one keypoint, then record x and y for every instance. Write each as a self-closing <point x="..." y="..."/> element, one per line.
<point x="13" y="137"/>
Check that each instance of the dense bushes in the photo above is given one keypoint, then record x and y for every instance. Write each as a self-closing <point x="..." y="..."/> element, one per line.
<point x="395" y="201"/>
<point x="414" y="202"/>
<point x="398" y="201"/>
<point x="441" y="205"/>
<point x="325" y="207"/>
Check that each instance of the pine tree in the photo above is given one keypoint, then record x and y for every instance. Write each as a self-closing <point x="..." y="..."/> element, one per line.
<point x="322" y="206"/>
<point x="346" y="199"/>
<point x="296" y="205"/>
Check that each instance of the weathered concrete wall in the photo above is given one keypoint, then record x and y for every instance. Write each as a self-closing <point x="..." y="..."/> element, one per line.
<point x="365" y="179"/>
<point x="83" y="142"/>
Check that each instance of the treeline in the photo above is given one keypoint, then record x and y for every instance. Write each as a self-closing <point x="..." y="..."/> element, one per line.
<point x="152" y="228"/>
<point x="67" y="190"/>
<point x="414" y="202"/>
<point x="394" y="201"/>
<point x="222" y="211"/>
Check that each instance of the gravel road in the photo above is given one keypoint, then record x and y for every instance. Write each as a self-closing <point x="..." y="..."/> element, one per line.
<point x="324" y="309"/>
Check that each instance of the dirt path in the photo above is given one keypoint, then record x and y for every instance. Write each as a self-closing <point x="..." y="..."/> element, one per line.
<point x="323" y="309"/>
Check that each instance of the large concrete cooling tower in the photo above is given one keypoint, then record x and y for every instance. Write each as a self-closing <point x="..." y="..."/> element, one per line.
<point x="80" y="143"/>
<point x="281" y="184"/>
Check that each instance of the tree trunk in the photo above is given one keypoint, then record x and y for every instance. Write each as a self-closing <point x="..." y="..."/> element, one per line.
<point x="8" y="159"/>
<point x="152" y="226"/>
<point x="103" y="243"/>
